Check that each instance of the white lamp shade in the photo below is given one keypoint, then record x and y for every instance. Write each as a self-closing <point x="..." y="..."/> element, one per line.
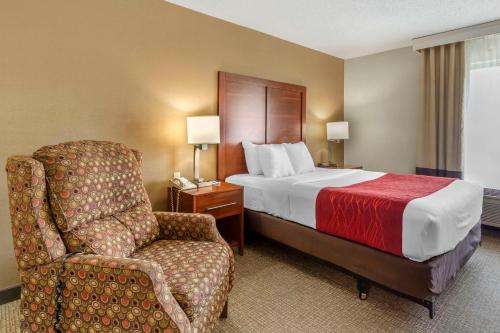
<point x="203" y="130"/>
<point x="337" y="130"/>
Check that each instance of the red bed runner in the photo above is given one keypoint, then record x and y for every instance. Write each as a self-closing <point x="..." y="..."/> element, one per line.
<point x="371" y="212"/>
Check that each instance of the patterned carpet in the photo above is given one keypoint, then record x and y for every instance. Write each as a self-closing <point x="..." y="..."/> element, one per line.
<point x="281" y="290"/>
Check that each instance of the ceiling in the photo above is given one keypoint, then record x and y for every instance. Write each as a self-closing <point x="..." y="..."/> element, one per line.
<point x="349" y="28"/>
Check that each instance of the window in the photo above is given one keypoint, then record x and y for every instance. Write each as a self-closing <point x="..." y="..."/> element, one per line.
<point x="482" y="112"/>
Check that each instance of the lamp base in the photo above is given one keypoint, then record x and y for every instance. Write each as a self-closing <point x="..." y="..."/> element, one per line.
<point x="331" y="158"/>
<point x="198" y="181"/>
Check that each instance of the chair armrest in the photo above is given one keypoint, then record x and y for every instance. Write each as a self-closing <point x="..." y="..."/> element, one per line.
<point x="193" y="227"/>
<point x="188" y="226"/>
<point x="131" y="292"/>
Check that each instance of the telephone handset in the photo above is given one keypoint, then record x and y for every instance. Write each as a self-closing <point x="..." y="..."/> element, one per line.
<point x="181" y="183"/>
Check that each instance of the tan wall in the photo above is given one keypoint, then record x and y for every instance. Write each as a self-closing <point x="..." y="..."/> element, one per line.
<point x="382" y="103"/>
<point x="131" y="71"/>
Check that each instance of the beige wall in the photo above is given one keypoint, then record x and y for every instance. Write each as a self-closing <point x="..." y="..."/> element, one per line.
<point x="131" y="71"/>
<point x="382" y="102"/>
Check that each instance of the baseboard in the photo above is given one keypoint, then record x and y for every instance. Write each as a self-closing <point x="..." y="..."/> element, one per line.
<point x="10" y="294"/>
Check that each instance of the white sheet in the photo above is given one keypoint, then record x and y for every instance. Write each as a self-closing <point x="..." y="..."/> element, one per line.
<point x="432" y="225"/>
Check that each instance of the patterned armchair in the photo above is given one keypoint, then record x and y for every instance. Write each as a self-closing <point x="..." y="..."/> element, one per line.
<point x="135" y="270"/>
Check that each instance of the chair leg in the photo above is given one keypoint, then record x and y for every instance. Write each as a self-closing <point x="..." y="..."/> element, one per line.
<point x="224" y="311"/>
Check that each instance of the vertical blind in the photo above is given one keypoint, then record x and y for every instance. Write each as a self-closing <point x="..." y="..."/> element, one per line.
<point x="481" y="157"/>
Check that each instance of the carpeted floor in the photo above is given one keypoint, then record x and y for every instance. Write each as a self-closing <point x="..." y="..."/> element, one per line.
<point x="282" y="290"/>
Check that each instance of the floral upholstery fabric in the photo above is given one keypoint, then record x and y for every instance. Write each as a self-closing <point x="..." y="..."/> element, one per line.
<point x="207" y="318"/>
<point x="106" y="236"/>
<point x="36" y="238"/>
<point x="194" y="227"/>
<point x="138" y="156"/>
<point x="141" y="222"/>
<point x="188" y="226"/>
<point x="102" y="294"/>
<point x="89" y="180"/>
<point x="106" y="292"/>
<point x="193" y="270"/>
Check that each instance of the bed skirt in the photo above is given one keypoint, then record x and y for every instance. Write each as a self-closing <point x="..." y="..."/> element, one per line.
<point x="421" y="280"/>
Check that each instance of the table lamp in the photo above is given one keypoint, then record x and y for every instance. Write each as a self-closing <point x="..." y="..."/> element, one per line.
<point x="202" y="131"/>
<point x="336" y="131"/>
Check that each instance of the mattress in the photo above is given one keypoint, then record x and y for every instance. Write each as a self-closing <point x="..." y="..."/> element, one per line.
<point x="432" y="225"/>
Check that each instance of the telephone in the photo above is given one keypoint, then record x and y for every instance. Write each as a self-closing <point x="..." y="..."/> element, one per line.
<point x="181" y="183"/>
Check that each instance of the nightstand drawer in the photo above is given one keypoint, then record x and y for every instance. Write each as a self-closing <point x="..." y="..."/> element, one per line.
<point x="224" y="202"/>
<point x="220" y="205"/>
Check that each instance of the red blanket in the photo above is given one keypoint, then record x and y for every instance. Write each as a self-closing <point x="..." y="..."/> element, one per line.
<point x="371" y="212"/>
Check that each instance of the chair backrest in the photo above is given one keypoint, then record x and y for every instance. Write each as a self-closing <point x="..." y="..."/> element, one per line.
<point x="90" y="180"/>
<point x="87" y="195"/>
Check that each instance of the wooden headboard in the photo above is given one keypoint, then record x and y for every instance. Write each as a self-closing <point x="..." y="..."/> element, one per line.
<point x="261" y="111"/>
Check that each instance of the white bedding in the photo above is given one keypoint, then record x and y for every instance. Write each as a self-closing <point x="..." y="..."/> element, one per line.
<point x="432" y="225"/>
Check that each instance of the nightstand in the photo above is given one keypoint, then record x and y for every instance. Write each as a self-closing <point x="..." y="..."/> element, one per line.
<point x="224" y="202"/>
<point x="339" y="166"/>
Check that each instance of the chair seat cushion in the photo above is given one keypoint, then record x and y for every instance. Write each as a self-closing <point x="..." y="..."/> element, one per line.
<point x="141" y="222"/>
<point x="107" y="237"/>
<point x="193" y="270"/>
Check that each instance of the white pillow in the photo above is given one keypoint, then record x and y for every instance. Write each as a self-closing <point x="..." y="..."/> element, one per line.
<point x="252" y="158"/>
<point x="274" y="161"/>
<point x="300" y="157"/>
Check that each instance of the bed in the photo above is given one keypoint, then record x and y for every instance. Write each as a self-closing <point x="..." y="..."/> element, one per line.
<point x="283" y="209"/>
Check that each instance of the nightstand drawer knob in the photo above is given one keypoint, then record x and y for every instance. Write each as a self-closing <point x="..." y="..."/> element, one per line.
<point x="221" y="206"/>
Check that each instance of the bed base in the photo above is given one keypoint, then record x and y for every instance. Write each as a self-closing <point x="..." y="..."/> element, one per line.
<point x="420" y="282"/>
<point x="363" y="285"/>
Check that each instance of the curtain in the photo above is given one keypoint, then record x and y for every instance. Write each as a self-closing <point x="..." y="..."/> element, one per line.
<point x="439" y="151"/>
